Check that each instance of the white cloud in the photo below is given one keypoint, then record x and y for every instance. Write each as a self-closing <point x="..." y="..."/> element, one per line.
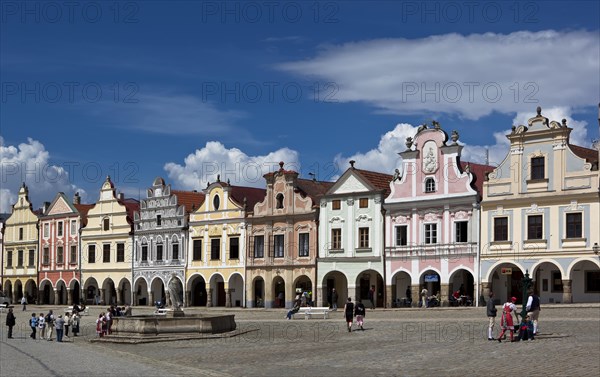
<point x="231" y="164"/>
<point x="29" y="162"/>
<point x="550" y="68"/>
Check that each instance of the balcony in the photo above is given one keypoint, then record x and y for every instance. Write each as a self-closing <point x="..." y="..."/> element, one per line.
<point x="447" y="251"/>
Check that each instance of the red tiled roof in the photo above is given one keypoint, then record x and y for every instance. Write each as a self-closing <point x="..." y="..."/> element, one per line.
<point x="252" y="195"/>
<point x="83" y="211"/>
<point x="314" y="189"/>
<point x="590" y="155"/>
<point x="131" y="206"/>
<point x="478" y="171"/>
<point x="191" y="200"/>
<point x="380" y="181"/>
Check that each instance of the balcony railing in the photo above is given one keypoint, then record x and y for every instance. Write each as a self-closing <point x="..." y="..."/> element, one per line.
<point x="433" y="251"/>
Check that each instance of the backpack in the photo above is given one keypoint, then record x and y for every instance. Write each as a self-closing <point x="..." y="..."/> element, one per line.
<point x="48" y="319"/>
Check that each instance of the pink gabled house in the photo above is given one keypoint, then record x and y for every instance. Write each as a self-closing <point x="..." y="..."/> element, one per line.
<point x="432" y="221"/>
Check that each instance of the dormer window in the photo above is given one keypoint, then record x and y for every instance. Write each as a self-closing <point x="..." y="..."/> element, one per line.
<point x="216" y="202"/>
<point x="279" y="198"/>
<point x="429" y="184"/>
<point x="538" y="168"/>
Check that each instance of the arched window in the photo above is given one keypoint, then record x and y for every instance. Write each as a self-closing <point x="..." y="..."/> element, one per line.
<point x="429" y="185"/>
<point x="216" y="202"/>
<point x="279" y="198"/>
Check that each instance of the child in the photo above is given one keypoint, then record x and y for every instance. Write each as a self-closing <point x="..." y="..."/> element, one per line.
<point x="360" y="313"/>
<point x="506" y="321"/>
<point x="349" y="313"/>
<point x="526" y="329"/>
<point x="100" y="323"/>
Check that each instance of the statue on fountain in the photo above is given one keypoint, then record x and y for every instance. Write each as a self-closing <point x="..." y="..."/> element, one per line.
<point x="175" y="293"/>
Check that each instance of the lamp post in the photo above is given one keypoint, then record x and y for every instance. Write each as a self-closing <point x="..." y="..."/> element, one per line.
<point x="525" y="285"/>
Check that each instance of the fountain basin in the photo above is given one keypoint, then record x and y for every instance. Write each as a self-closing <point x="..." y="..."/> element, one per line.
<point x="161" y="325"/>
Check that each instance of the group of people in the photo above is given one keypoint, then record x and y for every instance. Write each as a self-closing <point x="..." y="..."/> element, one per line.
<point x="104" y="322"/>
<point x="528" y="326"/>
<point x="357" y="310"/>
<point x="45" y="324"/>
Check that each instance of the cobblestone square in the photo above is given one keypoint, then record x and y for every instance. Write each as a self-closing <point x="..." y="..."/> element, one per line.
<point x="405" y="342"/>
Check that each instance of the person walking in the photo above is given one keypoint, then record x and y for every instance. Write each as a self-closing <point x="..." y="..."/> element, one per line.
<point x="60" y="328"/>
<point x="24" y="303"/>
<point x="360" y="312"/>
<point x="506" y="321"/>
<point x="41" y="323"/>
<point x="491" y="313"/>
<point x="349" y="313"/>
<point x="334" y="299"/>
<point x="10" y="322"/>
<point x="533" y="310"/>
<point x="424" y="297"/>
<point x="33" y="325"/>
<point x="68" y="323"/>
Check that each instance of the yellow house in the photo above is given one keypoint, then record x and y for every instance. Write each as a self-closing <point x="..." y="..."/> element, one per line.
<point x="20" y="250"/>
<point x="106" y="248"/>
<point x="540" y="215"/>
<point x="216" y="261"/>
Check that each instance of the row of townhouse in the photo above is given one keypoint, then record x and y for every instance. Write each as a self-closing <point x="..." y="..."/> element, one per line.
<point x="437" y="223"/>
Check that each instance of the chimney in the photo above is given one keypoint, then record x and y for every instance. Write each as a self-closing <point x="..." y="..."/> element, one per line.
<point x="121" y="196"/>
<point x="76" y="198"/>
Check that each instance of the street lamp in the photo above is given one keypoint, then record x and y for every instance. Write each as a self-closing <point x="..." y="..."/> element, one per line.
<point x="525" y="285"/>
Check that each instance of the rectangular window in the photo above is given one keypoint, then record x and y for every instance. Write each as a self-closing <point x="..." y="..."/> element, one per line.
<point x="46" y="256"/>
<point x="60" y="255"/>
<point x="106" y="224"/>
<point x="73" y="258"/>
<point x="336" y="204"/>
<point x="278" y="245"/>
<point x="430" y="233"/>
<point x="19" y="258"/>
<point x="159" y="251"/>
<point x="402" y="235"/>
<point x="574" y="228"/>
<point x="557" y="285"/>
<point x="46" y="230"/>
<point x="144" y="253"/>
<point x="363" y="238"/>
<point x="462" y="231"/>
<point x="175" y="247"/>
<point x="259" y="246"/>
<point x="120" y="252"/>
<point x="592" y="281"/>
<point x="363" y="203"/>
<point x="73" y="227"/>
<point x="9" y="256"/>
<point x="158" y="220"/>
<point x="336" y="238"/>
<point x="215" y="249"/>
<point x="59" y="229"/>
<point x="106" y="253"/>
<point x="303" y="244"/>
<point x="20" y="234"/>
<point x="197" y="251"/>
<point x="92" y="254"/>
<point x="501" y="229"/>
<point x="234" y="248"/>
<point x="537" y="168"/>
<point x="534" y="227"/>
<point x="31" y="258"/>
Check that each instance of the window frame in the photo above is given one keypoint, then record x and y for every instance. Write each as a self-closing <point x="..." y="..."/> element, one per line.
<point x="363" y="203"/>
<point x="363" y="237"/>
<point x="231" y="248"/>
<point x="46" y="256"/>
<point x="91" y="253"/>
<point x="31" y="258"/>
<point x="535" y="231"/>
<point x="578" y="231"/>
<point x="197" y="249"/>
<point x="106" y="253"/>
<point x="500" y="229"/>
<point x="120" y="252"/>
<point x="430" y="185"/>
<point x="336" y="239"/>
<point x="215" y="249"/>
<point x="73" y="254"/>
<point x="538" y="168"/>
<point x="458" y="232"/>
<point x="304" y="244"/>
<point x="430" y="234"/>
<point x="175" y="250"/>
<point x="60" y="255"/>
<point x="20" y="257"/>
<point x="278" y="245"/>
<point x="398" y="228"/>
<point x="105" y="224"/>
<point x="336" y="204"/>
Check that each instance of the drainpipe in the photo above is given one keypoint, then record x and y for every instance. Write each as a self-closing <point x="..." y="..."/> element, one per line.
<point x="80" y="294"/>
<point x="478" y="262"/>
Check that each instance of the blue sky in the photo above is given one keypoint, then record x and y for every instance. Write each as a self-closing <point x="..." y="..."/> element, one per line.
<point x="186" y="90"/>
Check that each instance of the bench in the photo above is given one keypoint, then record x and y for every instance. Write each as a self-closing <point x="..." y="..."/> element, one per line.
<point x="309" y="311"/>
<point x="69" y="309"/>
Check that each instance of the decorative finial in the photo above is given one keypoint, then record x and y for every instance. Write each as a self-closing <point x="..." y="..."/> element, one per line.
<point x="409" y="142"/>
<point x="313" y="175"/>
<point x="352" y="162"/>
<point x="539" y="111"/>
<point x="218" y="177"/>
<point x="455" y="136"/>
<point x="564" y="123"/>
<point x="436" y="124"/>
<point x="108" y="178"/>
<point x="280" y="165"/>
<point x="228" y="182"/>
<point x="207" y="184"/>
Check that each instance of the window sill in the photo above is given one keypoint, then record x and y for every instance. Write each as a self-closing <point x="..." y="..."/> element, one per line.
<point x="574" y="240"/>
<point x="533" y="241"/>
<point x="334" y="251"/>
<point x="501" y="243"/>
<point x="541" y="180"/>
<point x="363" y="250"/>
